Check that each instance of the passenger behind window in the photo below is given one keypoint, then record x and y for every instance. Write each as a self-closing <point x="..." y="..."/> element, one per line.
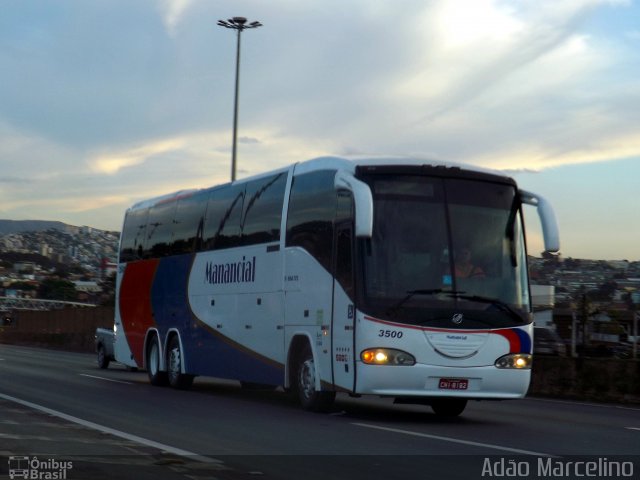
<point x="464" y="266"/>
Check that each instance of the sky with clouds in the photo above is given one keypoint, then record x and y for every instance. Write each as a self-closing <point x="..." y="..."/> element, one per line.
<point x="107" y="102"/>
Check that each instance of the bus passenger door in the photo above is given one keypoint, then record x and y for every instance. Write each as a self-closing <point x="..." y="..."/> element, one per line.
<point x="343" y="320"/>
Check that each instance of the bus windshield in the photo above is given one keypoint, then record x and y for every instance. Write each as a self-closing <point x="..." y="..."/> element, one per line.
<point x="444" y="246"/>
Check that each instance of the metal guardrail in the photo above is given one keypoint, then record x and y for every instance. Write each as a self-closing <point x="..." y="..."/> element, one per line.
<point x="13" y="303"/>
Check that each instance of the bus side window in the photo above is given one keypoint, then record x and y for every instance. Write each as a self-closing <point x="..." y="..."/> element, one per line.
<point x="224" y="212"/>
<point x="133" y="233"/>
<point x="188" y="223"/>
<point x="263" y="209"/>
<point x="159" y="230"/>
<point x="312" y="208"/>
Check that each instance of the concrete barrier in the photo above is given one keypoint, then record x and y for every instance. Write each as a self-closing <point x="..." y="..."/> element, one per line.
<point x="70" y="329"/>
<point x="595" y="379"/>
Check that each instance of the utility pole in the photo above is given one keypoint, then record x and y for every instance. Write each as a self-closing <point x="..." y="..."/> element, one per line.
<point x="583" y="307"/>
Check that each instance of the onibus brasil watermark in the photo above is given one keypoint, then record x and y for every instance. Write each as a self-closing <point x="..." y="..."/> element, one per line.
<point x="600" y="467"/>
<point x="36" y="469"/>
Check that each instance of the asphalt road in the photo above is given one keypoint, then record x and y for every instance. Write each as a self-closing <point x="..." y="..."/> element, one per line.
<point x="113" y="424"/>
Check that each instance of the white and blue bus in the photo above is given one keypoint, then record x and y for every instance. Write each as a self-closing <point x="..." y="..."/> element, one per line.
<point x="336" y="275"/>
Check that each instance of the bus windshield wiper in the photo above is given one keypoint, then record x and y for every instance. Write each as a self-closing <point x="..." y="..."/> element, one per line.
<point x="410" y="294"/>
<point x="499" y="304"/>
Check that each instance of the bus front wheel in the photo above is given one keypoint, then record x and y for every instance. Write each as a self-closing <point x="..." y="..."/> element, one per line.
<point x="310" y="398"/>
<point x="448" y="407"/>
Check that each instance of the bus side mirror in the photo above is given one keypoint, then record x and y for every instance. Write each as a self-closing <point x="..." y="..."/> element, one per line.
<point x="547" y="216"/>
<point x="363" y="202"/>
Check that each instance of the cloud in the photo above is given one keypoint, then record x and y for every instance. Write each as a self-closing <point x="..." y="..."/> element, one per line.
<point x="173" y="12"/>
<point x="27" y="158"/>
<point x="14" y="180"/>
<point x="476" y="50"/>
<point x="112" y="163"/>
<point x="248" y="140"/>
<point x="633" y="35"/>
<point x="119" y="101"/>
<point x="528" y="88"/>
<point x="494" y="83"/>
<point x="518" y="171"/>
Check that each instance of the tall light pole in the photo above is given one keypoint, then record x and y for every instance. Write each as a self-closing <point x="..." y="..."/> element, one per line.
<point x="239" y="24"/>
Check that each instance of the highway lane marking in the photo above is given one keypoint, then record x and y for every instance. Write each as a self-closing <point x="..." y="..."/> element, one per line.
<point x="586" y="404"/>
<point x="633" y="428"/>
<point x="455" y="440"/>
<point x="112" y="431"/>
<point x="104" y="378"/>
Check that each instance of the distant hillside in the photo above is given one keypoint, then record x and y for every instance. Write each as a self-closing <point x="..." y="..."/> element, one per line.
<point x="17" y="226"/>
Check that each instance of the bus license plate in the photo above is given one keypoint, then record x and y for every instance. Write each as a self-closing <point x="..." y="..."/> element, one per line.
<point x="453" y="384"/>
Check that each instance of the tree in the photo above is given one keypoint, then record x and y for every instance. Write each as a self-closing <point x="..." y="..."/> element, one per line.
<point x="109" y="290"/>
<point x="572" y="263"/>
<point x="24" y="286"/>
<point x="604" y="292"/>
<point x="585" y="311"/>
<point x="54" y="289"/>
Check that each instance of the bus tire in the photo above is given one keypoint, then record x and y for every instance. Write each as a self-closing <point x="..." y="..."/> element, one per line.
<point x="448" y="407"/>
<point x="177" y="379"/>
<point x="305" y="383"/>
<point x="156" y="376"/>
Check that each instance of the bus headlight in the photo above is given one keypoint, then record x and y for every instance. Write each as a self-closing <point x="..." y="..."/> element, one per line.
<point x="518" y="361"/>
<point x="386" y="356"/>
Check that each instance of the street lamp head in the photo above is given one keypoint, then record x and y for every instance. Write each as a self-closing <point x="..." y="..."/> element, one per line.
<point x="238" y="23"/>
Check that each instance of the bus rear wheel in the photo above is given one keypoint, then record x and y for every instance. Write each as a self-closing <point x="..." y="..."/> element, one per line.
<point x="305" y="382"/>
<point x="177" y="379"/>
<point x="156" y="376"/>
<point x="448" y="407"/>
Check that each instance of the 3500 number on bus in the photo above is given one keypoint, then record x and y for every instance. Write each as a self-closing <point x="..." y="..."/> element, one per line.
<point x="390" y="333"/>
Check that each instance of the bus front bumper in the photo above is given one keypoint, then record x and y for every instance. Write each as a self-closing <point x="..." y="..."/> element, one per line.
<point x="419" y="380"/>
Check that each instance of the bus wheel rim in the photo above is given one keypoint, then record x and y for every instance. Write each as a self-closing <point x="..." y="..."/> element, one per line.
<point x="307" y="379"/>
<point x="174" y="363"/>
<point x="153" y="359"/>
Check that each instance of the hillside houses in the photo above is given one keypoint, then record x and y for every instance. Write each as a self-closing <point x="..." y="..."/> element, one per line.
<point x="83" y="256"/>
<point x="594" y="299"/>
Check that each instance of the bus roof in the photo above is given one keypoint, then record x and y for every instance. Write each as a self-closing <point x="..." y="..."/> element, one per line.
<point x="347" y="164"/>
<point x="350" y="164"/>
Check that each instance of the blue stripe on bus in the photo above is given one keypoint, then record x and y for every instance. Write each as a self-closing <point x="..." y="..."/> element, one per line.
<point x="525" y="340"/>
<point x="205" y="353"/>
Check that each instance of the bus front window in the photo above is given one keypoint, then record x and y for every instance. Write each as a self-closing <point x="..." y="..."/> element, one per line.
<point x="449" y="244"/>
<point x="409" y="237"/>
<point x="487" y="241"/>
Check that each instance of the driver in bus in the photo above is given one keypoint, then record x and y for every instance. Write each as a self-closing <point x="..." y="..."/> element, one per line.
<point x="464" y="267"/>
